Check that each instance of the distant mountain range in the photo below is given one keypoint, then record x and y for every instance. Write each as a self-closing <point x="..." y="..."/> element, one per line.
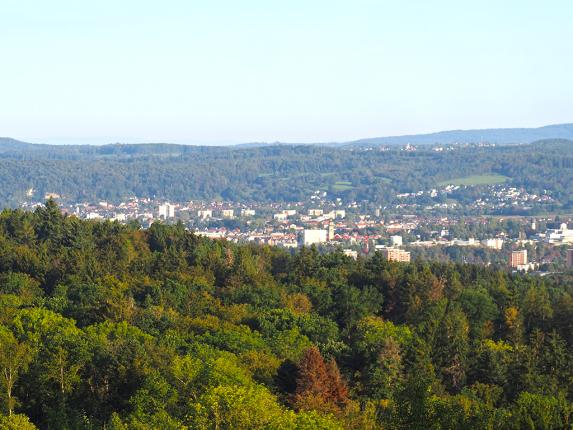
<point x="489" y="135"/>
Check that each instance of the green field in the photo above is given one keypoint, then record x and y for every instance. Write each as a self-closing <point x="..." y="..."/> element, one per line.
<point x="476" y="180"/>
<point x="342" y="186"/>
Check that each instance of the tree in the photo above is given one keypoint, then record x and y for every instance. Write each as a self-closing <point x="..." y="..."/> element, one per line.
<point x="563" y="317"/>
<point x="414" y="400"/>
<point x="492" y="362"/>
<point x="14" y="358"/>
<point x="152" y="403"/>
<point x="540" y="412"/>
<point x="50" y="220"/>
<point x="120" y="360"/>
<point x="235" y="408"/>
<point x="378" y="348"/>
<point x="514" y="325"/>
<point x="16" y="422"/>
<point x="22" y="285"/>
<point x="312" y="381"/>
<point x="319" y="386"/>
<point x="62" y="353"/>
<point x="251" y="408"/>
<point x="338" y="391"/>
<point x="479" y="308"/>
<point x="537" y="309"/>
<point x="451" y="349"/>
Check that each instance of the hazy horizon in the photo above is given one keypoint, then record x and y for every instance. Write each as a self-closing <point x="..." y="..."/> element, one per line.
<point x="105" y="141"/>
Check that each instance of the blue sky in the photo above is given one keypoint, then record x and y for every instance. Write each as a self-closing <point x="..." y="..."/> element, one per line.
<point x="236" y="71"/>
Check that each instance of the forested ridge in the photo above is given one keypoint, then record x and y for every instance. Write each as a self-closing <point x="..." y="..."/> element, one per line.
<point x="109" y="326"/>
<point x="272" y="173"/>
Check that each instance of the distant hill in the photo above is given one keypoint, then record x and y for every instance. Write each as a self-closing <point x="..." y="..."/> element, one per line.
<point x="490" y="135"/>
<point x="272" y="173"/>
<point x="286" y="172"/>
<point x="9" y="144"/>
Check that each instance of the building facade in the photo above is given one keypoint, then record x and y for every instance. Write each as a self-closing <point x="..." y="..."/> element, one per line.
<point x="395" y="254"/>
<point x="166" y="211"/>
<point x="313" y="237"/>
<point x="518" y="258"/>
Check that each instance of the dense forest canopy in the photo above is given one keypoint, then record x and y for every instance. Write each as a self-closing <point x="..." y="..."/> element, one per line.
<point x="270" y="173"/>
<point x="105" y="325"/>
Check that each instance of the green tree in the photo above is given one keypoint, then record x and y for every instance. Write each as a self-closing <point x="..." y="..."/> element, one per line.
<point x="62" y="353"/>
<point x="16" y="422"/>
<point x="452" y="348"/>
<point x="541" y="412"/>
<point x="479" y="308"/>
<point x="15" y="357"/>
<point x="235" y="408"/>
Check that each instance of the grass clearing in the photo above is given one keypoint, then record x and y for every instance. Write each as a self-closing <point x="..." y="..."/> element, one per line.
<point x="342" y="186"/>
<point x="476" y="180"/>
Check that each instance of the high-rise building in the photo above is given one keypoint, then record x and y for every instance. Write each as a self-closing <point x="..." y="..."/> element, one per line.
<point x="310" y="237"/>
<point x="518" y="258"/>
<point x="395" y="254"/>
<point x="166" y="211"/>
<point x="570" y="258"/>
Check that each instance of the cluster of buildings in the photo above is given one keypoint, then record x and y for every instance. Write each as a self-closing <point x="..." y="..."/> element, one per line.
<point x="493" y="199"/>
<point x="205" y="214"/>
<point x="491" y="243"/>
<point x="561" y="235"/>
<point x="518" y="261"/>
<point x="354" y="227"/>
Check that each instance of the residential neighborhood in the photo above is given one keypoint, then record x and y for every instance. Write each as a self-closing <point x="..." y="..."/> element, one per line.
<point x="358" y="229"/>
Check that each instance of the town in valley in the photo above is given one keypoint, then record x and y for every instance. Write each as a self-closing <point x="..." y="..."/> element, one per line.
<point x="537" y="244"/>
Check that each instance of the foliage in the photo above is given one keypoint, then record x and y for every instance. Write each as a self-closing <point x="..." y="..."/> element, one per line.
<point x="108" y="326"/>
<point x="279" y="172"/>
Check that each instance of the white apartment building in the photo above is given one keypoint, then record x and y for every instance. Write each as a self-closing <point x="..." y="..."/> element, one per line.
<point x="166" y="211"/>
<point x="312" y="237"/>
